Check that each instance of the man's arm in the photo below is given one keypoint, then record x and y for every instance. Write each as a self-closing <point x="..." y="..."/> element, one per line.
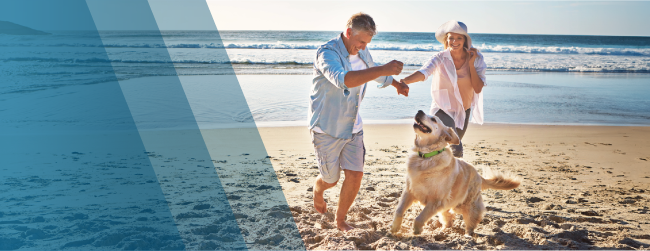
<point x="357" y="78"/>
<point x="328" y="63"/>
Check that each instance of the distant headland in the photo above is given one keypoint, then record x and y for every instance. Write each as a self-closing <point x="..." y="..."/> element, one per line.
<point x="10" y="28"/>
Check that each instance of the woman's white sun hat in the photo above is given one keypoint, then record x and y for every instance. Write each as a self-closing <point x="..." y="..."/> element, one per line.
<point x="455" y="27"/>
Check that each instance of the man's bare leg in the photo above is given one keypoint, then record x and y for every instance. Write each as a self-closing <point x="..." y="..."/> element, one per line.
<point x="349" y="192"/>
<point x="319" y="188"/>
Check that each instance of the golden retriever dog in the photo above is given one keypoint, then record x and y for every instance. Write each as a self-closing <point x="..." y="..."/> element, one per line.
<point x="442" y="183"/>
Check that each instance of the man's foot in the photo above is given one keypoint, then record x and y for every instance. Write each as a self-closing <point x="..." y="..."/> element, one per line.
<point x="319" y="202"/>
<point x="343" y="226"/>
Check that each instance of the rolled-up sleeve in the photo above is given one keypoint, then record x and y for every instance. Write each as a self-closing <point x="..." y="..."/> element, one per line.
<point x="383" y="81"/>
<point x="328" y="62"/>
<point x="480" y="67"/>
<point x="429" y="66"/>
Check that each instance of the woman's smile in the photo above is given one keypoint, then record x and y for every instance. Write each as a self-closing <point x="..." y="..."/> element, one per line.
<point x="456" y="41"/>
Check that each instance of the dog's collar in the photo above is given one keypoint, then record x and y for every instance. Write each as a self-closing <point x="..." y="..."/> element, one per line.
<point x="431" y="154"/>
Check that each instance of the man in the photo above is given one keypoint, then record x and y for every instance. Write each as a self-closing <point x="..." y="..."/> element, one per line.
<point x="341" y="69"/>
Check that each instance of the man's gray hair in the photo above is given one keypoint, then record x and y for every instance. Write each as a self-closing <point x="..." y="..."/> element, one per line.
<point x="362" y="22"/>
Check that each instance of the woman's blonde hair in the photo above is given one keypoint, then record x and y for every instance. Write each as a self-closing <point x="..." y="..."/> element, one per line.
<point x="446" y="41"/>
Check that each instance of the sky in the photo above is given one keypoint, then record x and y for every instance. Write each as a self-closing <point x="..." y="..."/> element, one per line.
<point x="619" y="18"/>
<point x="502" y="17"/>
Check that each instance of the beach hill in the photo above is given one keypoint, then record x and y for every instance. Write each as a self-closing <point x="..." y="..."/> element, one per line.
<point x="10" y="28"/>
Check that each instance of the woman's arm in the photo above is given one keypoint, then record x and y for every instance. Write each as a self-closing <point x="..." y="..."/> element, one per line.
<point x="427" y="68"/>
<point x="477" y="83"/>
<point x="414" y="77"/>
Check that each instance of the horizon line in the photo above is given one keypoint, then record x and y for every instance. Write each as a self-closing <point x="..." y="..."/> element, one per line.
<point x="469" y="33"/>
<point x="646" y="36"/>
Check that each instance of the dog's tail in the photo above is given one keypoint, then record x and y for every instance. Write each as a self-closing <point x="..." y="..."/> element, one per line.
<point x="499" y="181"/>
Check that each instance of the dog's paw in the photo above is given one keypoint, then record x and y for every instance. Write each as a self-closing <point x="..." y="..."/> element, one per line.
<point x="395" y="227"/>
<point x="417" y="228"/>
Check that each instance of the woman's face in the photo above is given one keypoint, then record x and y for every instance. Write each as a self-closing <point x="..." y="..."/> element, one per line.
<point x="455" y="41"/>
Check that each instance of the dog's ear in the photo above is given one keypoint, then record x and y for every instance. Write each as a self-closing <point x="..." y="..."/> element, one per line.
<point x="450" y="136"/>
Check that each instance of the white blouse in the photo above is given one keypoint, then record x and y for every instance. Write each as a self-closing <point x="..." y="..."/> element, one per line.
<point x="444" y="88"/>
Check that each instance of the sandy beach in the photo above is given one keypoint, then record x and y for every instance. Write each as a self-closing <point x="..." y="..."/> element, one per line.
<point x="584" y="187"/>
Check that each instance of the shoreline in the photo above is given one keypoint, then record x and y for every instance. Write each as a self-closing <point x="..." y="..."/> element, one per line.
<point x="277" y="68"/>
<point x="584" y="187"/>
<point x="266" y="124"/>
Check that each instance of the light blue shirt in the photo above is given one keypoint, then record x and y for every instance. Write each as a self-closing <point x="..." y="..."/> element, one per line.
<point x="333" y="107"/>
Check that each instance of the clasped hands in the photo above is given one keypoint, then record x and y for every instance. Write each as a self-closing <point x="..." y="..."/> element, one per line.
<point x="401" y="87"/>
<point x="395" y="68"/>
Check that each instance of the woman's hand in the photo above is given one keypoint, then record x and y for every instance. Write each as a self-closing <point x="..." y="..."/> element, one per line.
<point x="402" y="88"/>
<point x="473" y="54"/>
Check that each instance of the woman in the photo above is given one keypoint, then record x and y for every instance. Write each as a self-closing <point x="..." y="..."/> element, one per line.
<point x="458" y="78"/>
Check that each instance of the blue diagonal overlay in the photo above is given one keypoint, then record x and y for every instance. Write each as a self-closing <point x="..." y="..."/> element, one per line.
<point x="101" y="150"/>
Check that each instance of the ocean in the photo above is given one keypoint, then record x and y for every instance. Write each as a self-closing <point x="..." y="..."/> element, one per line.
<point x="531" y="79"/>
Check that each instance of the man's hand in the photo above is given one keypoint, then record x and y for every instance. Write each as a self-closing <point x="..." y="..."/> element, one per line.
<point x="392" y="68"/>
<point x="401" y="87"/>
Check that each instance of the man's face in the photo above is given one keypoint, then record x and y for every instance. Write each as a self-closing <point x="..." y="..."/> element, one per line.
<point x="358" y="41"/>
